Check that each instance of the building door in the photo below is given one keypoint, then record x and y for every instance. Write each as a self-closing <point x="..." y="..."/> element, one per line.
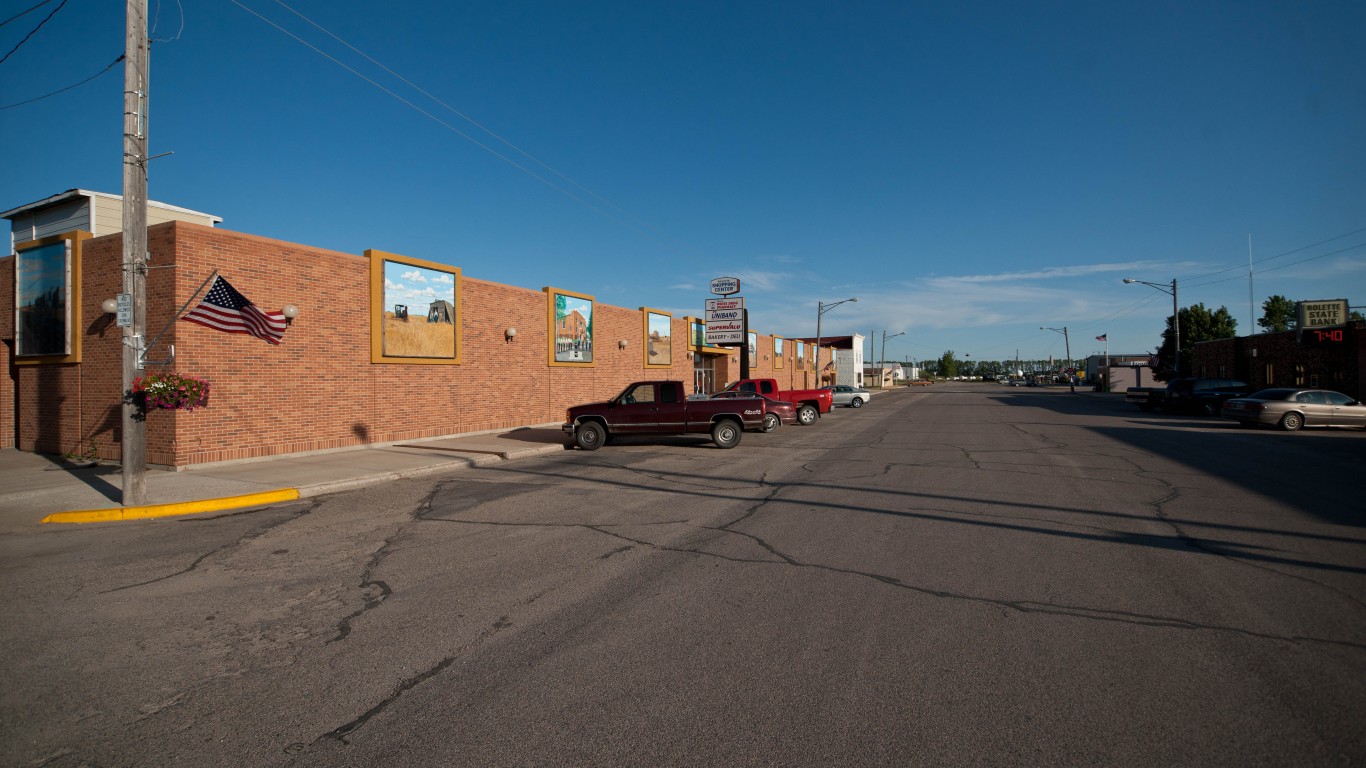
<point x="703" y="374"/>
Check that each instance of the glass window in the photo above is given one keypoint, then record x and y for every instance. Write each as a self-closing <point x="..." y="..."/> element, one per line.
<point x="645" y="393"/>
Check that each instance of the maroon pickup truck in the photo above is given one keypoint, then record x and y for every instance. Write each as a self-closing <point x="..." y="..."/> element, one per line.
<point x="810" y="403"/>
<point x="663" y="408"/>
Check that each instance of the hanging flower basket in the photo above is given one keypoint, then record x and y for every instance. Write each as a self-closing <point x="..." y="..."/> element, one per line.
<point x="169" y="391"/>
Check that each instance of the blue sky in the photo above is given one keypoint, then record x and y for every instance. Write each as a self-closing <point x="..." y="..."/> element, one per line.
<point x="970" y="171"/>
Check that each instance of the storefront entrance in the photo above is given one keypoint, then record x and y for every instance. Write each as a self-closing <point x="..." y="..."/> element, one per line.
<point x="703" y="374"/>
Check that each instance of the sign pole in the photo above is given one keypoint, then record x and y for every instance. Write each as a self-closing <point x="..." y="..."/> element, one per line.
<point x="744" y="348"/>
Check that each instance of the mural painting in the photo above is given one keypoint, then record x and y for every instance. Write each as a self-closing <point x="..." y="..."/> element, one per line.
<point x="777" y="353"/>
<point x="571" y="327"/>
<point x="658" y="341"/>
<point x="416" y="310"/>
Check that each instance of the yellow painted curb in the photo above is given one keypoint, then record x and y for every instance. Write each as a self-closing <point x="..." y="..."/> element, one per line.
<point x="167" y="510"/>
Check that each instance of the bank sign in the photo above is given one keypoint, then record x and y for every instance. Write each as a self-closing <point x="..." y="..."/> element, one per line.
<point x="1324" y="313"/>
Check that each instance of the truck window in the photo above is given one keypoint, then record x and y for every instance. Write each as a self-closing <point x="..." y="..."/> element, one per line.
<point x="645" y="393"/>
<point x="748" y="386"/>
<point x="668" y="394"/>
<point x="767" y="387"/>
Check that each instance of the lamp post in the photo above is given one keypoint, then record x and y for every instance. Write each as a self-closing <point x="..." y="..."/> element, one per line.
<point x="882" y="360"/>
<point x="821" y="309"/>
<point x="1176" y="317"/>
<point x="1067" y="345"/>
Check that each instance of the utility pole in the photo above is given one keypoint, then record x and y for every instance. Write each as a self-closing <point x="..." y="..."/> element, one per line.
<point x="135" y="72"/>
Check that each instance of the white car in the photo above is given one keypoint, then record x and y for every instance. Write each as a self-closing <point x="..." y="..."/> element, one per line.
<point x="854" y="397"/>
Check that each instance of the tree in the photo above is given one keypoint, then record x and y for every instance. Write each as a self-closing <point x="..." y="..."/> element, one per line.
<point x="1278" y="314"/>
<point x="948" y="366"/>
<point x="1197" y="324"/>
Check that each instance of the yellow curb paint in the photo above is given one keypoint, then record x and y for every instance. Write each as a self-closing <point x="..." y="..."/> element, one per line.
<point x="168" y="510"/>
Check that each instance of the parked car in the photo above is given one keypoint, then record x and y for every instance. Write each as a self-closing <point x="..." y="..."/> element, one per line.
<point x="662" y="408"/>
<point x="919" y="382"/>
<point x="1291" y="408"/>
<point x="1202" y="396"/>
<point x="810" y="403"/>
<point x="854" y="397"/>
<point x="777" y="414"/>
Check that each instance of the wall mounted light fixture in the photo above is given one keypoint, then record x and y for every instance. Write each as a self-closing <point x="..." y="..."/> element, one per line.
<point x="290" y="312"/>
<point x="510" y="334"/>
<point x="110" y="306"/>
<point x="622" y="343"/>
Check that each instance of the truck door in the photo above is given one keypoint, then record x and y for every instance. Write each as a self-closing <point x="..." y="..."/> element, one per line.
<point x="672" y="412"/>
<point x="637" y="411"/>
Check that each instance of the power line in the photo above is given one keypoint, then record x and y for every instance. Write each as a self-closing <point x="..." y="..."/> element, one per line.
<point x="24" y="13"/>
<point x="453" y="129"/>
<point x="35" y="29"/>
<point x="1279" y="255"/>
<point x="1283" y="266"/>
<point x="462" y="115"/>
<point x="69" y="87"/>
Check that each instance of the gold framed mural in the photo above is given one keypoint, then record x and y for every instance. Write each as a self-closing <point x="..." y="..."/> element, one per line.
<point x="753" y="345"/>
<point x="801" y="356"/>
<point x="778" y="353"/>
<point x="569" y="318"/>
<point x="658" y="344"/>
<point x="47" y="299"/>
<point x="414" y="310"/>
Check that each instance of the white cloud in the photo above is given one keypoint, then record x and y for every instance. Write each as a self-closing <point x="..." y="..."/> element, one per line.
<point x="414" y="275"/>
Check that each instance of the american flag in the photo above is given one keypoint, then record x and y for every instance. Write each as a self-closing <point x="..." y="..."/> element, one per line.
<point x="1103" y="337"/>
<point x="227" y="310"/>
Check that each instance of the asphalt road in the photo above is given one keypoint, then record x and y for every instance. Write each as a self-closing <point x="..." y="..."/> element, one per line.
<point x="950" y="576"/>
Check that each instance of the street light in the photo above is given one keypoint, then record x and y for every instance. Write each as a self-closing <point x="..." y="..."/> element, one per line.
<point x="882" y="360"/>
<point x="1176" y="316"/>
<point x="1067" y="344"/>
<point x="821" y="309"/>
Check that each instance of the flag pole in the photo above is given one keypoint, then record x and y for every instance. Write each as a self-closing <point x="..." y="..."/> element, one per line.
<point x="174" y="318"/>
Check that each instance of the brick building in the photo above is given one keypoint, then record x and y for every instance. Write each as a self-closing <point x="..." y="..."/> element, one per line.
<point x="1285" y="360"/>
<point x="328" y="385"/>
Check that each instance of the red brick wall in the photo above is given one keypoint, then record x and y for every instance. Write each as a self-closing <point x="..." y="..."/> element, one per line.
<point x="7" y="404"/>
<point x="318" y="389"/>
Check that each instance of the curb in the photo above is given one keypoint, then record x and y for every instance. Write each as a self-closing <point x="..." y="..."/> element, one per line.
<point x="288" y="494"/>
<point x="169" y="510"/>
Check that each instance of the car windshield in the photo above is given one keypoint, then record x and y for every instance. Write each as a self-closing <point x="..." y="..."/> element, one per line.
<point x="1272" y="394"/>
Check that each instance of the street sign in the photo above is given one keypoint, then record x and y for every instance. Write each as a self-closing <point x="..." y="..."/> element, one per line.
<point x="125" y="316"/>
<point x="734" y="302"/>
<point x="725" y="286"/>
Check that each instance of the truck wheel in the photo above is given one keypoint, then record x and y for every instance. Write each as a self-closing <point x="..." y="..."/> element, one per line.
<point x="771" y="422"/>
<point x="1292" y="421"/>
<point x="807" y="415"/>
<point x="856" y="403"/>
<point x="726" y="434"/>
<point x="590" y="436"/>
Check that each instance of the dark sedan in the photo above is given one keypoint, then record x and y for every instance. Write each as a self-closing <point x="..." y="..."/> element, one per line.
<point x="1291" y="408"/>
<point x="777" y="412"/>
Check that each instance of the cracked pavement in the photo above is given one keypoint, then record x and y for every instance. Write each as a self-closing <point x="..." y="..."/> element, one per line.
<point x="969" y="575"/>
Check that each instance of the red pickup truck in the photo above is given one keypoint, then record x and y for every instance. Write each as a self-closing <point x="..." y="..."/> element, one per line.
<point x="663" y="408"/>
<point x="810" y="403"/>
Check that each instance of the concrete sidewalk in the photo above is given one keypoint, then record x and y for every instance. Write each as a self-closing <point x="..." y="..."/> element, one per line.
<point x="36" y="486"/>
